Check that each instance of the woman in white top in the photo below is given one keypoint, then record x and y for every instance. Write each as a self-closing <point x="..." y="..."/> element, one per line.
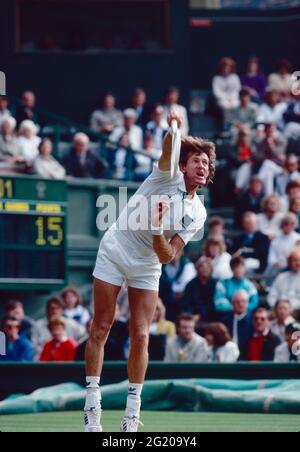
<point x="283" y="245"/>
<point x="73" y="308"/>
<point x="227" y="85"/>
<point x="215" y="249"/>
<point x="269" y="221"/>
<point x="29" y="141"/>
<point x="222" y="348"/>
<point x="45" y="164"/>
<point x="281" y="80"/>
<point x="283" y="312"/>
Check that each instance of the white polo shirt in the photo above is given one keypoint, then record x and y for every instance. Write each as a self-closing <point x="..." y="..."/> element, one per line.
<point x="186" y="217"/>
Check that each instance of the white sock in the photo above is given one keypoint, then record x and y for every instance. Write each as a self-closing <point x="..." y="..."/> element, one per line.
<point x="134" y="402"/>
<point x="93" y="393"/>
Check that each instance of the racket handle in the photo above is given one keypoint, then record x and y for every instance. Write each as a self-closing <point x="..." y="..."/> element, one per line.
<point x="174" y="126"/>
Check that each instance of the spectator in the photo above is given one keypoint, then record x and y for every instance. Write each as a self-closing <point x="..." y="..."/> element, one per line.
<point x="174" y="279"/>
<point x="134" y="132"/>
<point x="216" y="229"/>
<point x="281" y="81"/>
<point x="161" y="330"/>
<point x="171" y="103"/>
<point x="226" y="289"/>
<point x="29" y="141"/>
<point x="252" y="245"/>
<point x="9" y="144"/>
<point x="292" y="192"/>
<point x="222" y="349"/>
<point x="144" y="162"/>
<point x="226" y="87"/>
<point x="287" y="284"/>
<point x="241" y="151"/>
<point x="215" y="249"/>
<point x="272" y="146"/>
<point x="272" y="110"/>
<point x="158" y="127"/>
<point x="73" y="308"/>
<point x="41" y="333"/>
<point x="4" y="111"/>
<point x="269" y="221"/>
<point x="15" y="309"/>
<point x="107" y="118"/>
<point x="292" y="119"/>
<point x="199" y="293"/>
<point x="283" y="313"/>
<point x="245" y="114"/>
<point x="263" y="343"/>
<point x="82" y="162"/>
<point x="138" y="103"/>
<point x="187" y="346"/>
<point x="282" y="246"/>
<point x="60" y="348"/>
<point x="26" y="111"/>
<point x="295" y="209"/>
<point x="291" y="173"/>
<point x="251" y="200"/>
<point x="18" y="348"/>
<point x="45" y="164"/>
<point x="239" y="321"/>
<point x="289" y="351"/>
<point x="254" y="79"/>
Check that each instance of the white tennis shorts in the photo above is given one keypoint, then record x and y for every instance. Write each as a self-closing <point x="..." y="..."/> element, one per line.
<point x="117" y="263"/>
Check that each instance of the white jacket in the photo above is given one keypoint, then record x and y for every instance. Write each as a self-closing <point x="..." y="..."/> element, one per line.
<point x="286" y="287"/>
<point x="229" y="353"/>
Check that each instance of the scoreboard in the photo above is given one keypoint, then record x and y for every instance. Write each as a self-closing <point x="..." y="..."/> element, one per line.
<point x="33" y="221"/>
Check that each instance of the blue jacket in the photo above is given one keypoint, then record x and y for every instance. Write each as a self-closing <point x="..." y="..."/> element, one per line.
<point x="226" y="289"/>
<point x="19" y="351"/>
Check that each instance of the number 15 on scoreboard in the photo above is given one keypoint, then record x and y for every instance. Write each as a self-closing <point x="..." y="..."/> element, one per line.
<point x="49" y="231"/>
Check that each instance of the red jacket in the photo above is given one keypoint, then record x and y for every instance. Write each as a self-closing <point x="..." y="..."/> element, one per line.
<point x="59" y="351"/>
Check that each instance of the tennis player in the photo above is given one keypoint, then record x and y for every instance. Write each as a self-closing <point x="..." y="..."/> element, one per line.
<point x="135" y="256"/>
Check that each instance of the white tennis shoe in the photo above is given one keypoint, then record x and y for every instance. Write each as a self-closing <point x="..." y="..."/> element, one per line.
<point x="92" y="421"/>
<point x="130" y="424"/>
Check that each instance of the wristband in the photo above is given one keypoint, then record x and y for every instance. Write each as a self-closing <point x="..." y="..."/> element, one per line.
<point x="157" y="230"/>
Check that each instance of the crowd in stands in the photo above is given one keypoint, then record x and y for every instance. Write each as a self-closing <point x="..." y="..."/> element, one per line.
<point x="240" y="298"/>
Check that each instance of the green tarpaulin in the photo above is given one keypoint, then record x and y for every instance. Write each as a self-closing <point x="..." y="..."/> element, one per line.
<point x="273" y="396"/>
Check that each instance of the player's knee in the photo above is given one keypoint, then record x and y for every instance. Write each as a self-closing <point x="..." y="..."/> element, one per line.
<point x="100" y="332"/>
<point x="140" y="339"/>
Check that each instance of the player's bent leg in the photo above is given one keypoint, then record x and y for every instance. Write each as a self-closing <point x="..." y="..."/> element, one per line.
<point x="105" y="295"/>
<point x="142" y="308"/>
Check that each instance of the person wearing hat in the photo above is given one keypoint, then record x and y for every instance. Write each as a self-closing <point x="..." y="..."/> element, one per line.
<point x="289" y="351"/>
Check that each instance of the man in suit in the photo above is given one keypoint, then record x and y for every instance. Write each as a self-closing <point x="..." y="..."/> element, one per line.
<point x="239" y="322"/>
<point x="82" y="162"/>
<point x="252" y="245"/>
<point x="263" y="343"/>
<point x="139" y="104"/>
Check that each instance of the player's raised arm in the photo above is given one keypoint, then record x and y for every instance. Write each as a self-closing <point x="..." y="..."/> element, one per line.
<point x="165" y="160"/>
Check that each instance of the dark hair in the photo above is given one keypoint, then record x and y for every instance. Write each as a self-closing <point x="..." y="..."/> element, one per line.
<point x="191" y="146"/>
<point x="138" y="90"/>
<point x="245" y="92"/>
<point x="55" y="300"/>
<point x="236" y="262"/>
<point x="261" y="311"/>
<point x="9" y="318"/>
<point x="172" y="89"/>
<point x="44" y="140"/>
<point x="13" y="304"/>
<point x="286" y="64"/>
<point x="281" y="301"/>
<point x="292" y="184"/>
<point x="219" y="332"/>
<point x="184" y="317"/>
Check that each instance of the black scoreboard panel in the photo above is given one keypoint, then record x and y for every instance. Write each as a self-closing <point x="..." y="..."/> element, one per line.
<point x="33" y="216"/>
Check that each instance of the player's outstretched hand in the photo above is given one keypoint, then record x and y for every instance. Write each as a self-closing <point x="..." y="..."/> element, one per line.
<point x="174" y="115"/>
